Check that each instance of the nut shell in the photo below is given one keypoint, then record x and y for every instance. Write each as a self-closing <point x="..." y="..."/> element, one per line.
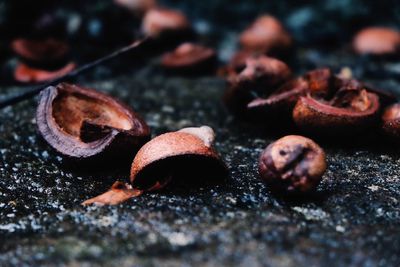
<point x="163" y="156"/>
<point x="266" y="35"/>
<point x="261" y="76"/>
<point x="66" y="113"/>
<point x="377" y="41"/>
<point x="26" y="74"/>
<point x="158" y="22"/>
<point x="189" y="57"/>
<point x="40" y="51"/>
<point x="313" y="115"/>
<point x="391" y="121"/>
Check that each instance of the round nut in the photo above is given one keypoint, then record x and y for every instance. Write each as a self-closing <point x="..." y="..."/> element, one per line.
<point x="293" y="164"/>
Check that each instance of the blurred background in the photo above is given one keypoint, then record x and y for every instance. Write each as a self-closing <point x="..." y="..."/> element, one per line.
<point x="95" y="27"/>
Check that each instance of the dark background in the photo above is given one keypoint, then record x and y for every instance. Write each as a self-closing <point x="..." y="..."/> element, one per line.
<point x="353" y="221"/>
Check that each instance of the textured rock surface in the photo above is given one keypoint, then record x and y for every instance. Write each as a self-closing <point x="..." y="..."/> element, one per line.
<point x="353" y="221"/>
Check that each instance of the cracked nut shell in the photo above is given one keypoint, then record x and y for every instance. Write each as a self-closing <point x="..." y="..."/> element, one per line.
<point x="83" y="123"/>
<point x="377" y="41"/>
<point x="353" y="112"/>
<point x="40" y="52"/>
<point x="186" y="155"/>
<point x="266" y="35"/>
<point x="293" y="165"/>
<point x="189" y="57"/>
<point x="26" y="74"/>
<point x="159" y="22"/>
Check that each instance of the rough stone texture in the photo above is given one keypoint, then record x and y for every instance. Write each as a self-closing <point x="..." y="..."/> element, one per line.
<point x="353" y="220"/>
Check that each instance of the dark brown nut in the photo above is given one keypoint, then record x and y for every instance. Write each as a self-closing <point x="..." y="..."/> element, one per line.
<point x="186" y="155"/>
<point x="377" y="41"/>
<point x="292" y="165"/>
<point x="260" y="77"/>
<point x="26" y="74"/>
<point x="391" y="121"/>
<point x="266" y="35"/>
<point x="159" y="22"/>
<point x="44" y="51"/>
<point x="137" y="6"/>
<point x="189" y="57"/>
<point x="348" y="113"/>
<point x="82" y="123"/>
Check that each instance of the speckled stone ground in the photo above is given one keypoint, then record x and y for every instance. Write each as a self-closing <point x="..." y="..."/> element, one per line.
<point x="353" y="220"/>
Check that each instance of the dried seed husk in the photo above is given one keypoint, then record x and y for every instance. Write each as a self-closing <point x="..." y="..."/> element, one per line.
<point x="67" y="114"/>
<point x="26" y="74"/>
<point x="190" y="58"/>
<point x="348" y="116"/>
<point x="41" y="52"/>
<point x="186" y="154"/>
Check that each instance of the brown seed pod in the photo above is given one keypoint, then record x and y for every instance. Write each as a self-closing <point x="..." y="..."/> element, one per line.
<point x="391" y="121"/>
<point x="159" y="22"/>
<point x="293" y="165"/>
<point x="377" y="41"/>
<point x="26" y="74"/>
<point x="266" y="35"/>
<point x="189" y="57"/>
<point x="44" y="52"/>
<point x="260" y="76"/>
<point x="348" y="113"/>
<point x="82" y="123"/>
<point x="186" y="155"/>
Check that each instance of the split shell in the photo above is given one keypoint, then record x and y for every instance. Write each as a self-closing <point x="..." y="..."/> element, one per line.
<point x="68" y="113"/>
<point x="188" y="151"/>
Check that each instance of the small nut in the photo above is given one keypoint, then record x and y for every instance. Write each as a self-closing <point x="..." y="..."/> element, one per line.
<point x="377" y="41"/>
<point x="391" y="121"/>
<point x="266" y="35"/>
<point x="159" y="22"/>
<point x="82" y="123"/>
<point x="190" y="58"/>
<point x="293" y="164"/>
<point x="26" y="74"/>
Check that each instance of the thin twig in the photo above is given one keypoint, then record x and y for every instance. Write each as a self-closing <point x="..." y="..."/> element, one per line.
<point x="36" y="90"/>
